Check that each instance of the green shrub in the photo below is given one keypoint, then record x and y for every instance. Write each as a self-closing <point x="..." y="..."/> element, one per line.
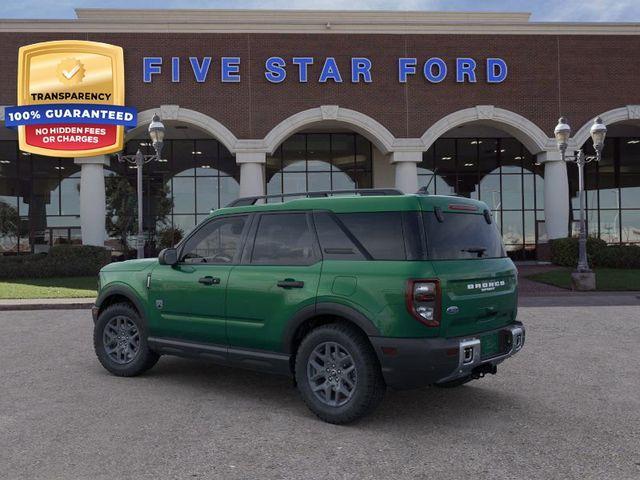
<point x="61" y="261"/>
<point x="169" y="237"/>
<point x="564" y="252"/>
<point x="618" y="256"/>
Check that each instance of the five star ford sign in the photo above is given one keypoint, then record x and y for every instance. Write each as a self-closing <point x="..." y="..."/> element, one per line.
<point x="70" y="99"/>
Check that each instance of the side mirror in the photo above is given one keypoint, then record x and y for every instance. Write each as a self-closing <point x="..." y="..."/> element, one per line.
<point x="168" y="256"/>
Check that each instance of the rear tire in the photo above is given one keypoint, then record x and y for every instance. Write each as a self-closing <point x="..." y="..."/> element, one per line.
<point x="338" y="374"/>
<point x="120" y="341"/>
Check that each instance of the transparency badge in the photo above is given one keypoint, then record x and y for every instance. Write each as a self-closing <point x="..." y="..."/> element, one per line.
<point x="70" y="99"/>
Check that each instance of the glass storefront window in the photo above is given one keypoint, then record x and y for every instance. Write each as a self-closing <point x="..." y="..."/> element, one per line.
<point x="610" y="226"/>
<point x="319" y="161"/>
<point x="70" y="195"/>
<point x="512" y="192"/>
<point x="630" y="223"/>
<point x="193" y="177"/>
<point x="184" y="198"/>
<point x="612" y="191"/>
<point x="630" y="190"/>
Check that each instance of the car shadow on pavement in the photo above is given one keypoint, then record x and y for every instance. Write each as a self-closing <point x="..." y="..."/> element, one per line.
<point x="467" y="403"/>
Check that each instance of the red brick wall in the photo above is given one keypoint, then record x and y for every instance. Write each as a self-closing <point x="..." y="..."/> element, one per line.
<point x="578" y="76"/>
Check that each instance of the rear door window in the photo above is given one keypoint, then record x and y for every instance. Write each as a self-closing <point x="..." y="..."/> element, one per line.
<point x="380" y="233"/>
<point x="461" y="236"/>
<point x="284" y="239"/>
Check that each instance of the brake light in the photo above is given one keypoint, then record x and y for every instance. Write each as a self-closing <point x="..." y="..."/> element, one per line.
<point x="423" y="301"/>
<point x="463" y="206"/>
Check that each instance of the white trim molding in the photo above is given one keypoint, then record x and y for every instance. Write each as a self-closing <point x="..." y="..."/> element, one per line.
<point x="373" y="130"/>
<point x="531" y="136"/>
<point x="312" y="21"/>
<point x="622" y="114"/>
<point x="200" y="120"/>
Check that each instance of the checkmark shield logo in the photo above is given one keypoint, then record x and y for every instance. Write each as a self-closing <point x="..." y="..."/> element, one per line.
<point x="70" y="71"/>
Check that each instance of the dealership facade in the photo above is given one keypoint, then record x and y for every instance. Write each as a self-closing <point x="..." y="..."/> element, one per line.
<point x="277" y="102"/>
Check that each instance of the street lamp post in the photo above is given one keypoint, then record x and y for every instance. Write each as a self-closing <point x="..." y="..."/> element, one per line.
<point x="156" y="133"/>
<point x="598" y="132"/>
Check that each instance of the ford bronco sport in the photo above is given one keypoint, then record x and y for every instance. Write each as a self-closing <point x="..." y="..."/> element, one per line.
<point x="346" y="294"/>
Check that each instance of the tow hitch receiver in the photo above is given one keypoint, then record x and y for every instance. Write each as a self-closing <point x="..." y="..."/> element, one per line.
<point x="484" y="369"/>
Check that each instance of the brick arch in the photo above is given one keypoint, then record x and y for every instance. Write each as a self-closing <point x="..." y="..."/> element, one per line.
<point x="527" y="132"/>
<point x="374" y="131"/>
<point x="192" y="117"/>
<point x="616" y="115"/>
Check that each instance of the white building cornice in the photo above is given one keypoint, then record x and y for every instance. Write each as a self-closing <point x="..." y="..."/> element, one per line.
<point x="311" y="21"/>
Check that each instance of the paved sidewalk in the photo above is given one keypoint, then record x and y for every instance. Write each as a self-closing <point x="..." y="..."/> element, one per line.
<point x="46" y="303"/>
<point x="529" y="288"/>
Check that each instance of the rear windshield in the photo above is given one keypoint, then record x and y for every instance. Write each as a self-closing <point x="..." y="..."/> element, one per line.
<point x="461" y="236"/>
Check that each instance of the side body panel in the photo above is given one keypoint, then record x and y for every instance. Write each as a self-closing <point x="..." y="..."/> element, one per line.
<point x="258" y="310"/>
<point x="182" y="307"/>
<point x="377" y="290"/>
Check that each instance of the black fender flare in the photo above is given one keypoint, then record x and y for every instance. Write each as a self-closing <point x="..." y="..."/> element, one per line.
<point x="326" y="308"/>
<point x="125" y="291"/>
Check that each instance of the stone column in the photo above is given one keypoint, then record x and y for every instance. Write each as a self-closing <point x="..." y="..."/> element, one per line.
<point x="93" y="208"/>
<point x="406" y="165"/>
<point x="251" y="173"/>
<point x="556" y="194"/>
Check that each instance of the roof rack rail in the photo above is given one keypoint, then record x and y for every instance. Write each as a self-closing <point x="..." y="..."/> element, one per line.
<point x="244" y="201"/>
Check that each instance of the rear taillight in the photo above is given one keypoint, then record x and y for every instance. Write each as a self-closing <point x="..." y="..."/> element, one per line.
<point x="423" y="301"/>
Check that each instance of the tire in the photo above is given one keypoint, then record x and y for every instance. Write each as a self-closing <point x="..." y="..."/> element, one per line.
<point x="342" y="395"/>
<point x="128" y="353"/>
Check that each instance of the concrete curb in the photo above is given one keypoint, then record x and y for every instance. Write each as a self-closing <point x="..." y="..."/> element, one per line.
<point x="46" y="304"/>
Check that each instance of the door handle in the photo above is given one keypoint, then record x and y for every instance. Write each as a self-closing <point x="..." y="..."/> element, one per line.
<point x="209" y="280"/>
<point x="290" y="283"/>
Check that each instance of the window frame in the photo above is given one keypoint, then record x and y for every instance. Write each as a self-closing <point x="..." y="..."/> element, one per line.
<point x="247" y="253"/>
<point x="243" y="239"/>
<point x="366" y="256"/>
<point x="409" y="254"/>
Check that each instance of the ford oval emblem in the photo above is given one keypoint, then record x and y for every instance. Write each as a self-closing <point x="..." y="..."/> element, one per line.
<point x="452" y="310"/>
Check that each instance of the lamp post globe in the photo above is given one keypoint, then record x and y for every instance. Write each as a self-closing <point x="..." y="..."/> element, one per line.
<point x="156" y="133"/>
<point x="598" y="133"/>
<point x="562" y="133"/>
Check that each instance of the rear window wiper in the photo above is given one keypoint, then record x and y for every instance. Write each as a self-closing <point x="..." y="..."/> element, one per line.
<point x="478" y="250"/>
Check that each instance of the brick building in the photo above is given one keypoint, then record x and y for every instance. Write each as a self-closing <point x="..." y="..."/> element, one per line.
<point x="287" y="101"/>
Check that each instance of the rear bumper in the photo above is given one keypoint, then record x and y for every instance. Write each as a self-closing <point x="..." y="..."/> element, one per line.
<point x="416" y="362"/>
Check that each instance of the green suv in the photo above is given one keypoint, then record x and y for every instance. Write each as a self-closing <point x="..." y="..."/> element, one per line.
<point x="347" y="294"/>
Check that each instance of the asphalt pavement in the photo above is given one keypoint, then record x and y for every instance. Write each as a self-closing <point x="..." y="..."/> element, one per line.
<point x="567" y="407"/>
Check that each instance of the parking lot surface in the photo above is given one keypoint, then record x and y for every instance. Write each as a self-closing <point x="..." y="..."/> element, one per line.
<point x="567" y="407"/>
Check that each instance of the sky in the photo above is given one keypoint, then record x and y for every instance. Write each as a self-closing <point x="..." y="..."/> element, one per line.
<point x="542" y="10"/>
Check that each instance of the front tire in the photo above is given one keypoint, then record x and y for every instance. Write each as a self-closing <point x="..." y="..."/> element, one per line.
<point x="120" y="341"/>
<point x="338" y="374"/>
